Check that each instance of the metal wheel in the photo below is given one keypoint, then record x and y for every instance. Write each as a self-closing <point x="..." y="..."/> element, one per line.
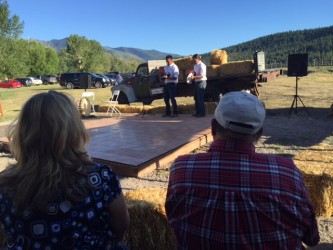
<point x="70" y="85"/>
<point x="98" y="85"/>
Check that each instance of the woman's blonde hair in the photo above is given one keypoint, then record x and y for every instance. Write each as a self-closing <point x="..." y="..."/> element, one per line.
<point x="49" y="143"/>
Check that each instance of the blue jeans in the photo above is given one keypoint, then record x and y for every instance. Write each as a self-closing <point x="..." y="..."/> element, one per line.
<point x="199" y="94"/>
<point x="170" y="93"/>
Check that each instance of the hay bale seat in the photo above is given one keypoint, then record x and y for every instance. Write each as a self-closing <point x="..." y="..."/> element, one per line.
<point x="316" y="165"/>
<point x="218" y="57"/>
<point x="149" y="228"/>
<point x="237" y="68"/>
<point x="149" y="109"/>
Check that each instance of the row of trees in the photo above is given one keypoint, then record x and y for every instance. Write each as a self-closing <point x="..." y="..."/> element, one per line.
<point x="19" y="57"/>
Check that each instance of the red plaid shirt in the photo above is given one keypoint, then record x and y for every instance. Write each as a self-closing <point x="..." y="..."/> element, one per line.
<point x="234" y="198"/>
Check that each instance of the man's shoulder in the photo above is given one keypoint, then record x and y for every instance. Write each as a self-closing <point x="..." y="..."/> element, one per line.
<point x="174" y="66"/>
<point x="191" y="160"/>
<point x="192" y="157"/>
<point x="279" y="160"/>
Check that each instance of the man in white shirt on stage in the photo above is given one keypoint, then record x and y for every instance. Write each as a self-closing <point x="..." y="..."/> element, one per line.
<point x="170" y="88"/>
<point x="200" y="79"/>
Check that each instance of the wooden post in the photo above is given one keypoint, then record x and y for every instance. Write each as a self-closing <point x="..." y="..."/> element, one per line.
<point x="1" y="112"/>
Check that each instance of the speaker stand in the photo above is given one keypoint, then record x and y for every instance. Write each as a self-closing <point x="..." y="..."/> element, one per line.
<point x="294" y="103"/>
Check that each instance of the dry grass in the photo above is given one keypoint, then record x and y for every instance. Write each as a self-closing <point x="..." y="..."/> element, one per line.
<point x="184" y="64"/>
<point x="213" y="70"/>
<point x="316" y="164"/>
<point x="235" y="68"/>
<point x="218" y="57"/>
<point x="315" y="89"/>
<point x="149" y="228"/>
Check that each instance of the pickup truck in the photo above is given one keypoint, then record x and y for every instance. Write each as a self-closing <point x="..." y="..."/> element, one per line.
<point x="146" y="86"/>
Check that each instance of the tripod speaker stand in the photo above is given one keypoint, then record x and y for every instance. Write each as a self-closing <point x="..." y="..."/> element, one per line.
<point x="297" y="66"/>
<point x="294" y="103"/>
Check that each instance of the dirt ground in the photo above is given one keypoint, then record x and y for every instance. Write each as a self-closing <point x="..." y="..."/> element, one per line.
<point x="282" y="135"/>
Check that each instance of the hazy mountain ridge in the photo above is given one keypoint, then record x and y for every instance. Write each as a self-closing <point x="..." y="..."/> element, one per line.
<point x="122" y="52"/>
<point x="318" y="43"/>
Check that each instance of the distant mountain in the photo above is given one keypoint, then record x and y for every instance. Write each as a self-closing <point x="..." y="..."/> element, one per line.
<point x="122" y="52"/>
<point x="318" y="43"/>
<point x="55" y="43"/>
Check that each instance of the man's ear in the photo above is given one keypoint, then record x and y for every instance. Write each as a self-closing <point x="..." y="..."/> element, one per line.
<point x="214" y="127"/>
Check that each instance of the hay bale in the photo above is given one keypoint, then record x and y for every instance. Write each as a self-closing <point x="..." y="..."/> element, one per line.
<point x="218" y="57"/>
<point x="213" y="70"/>
<point x="149" y="228"/>
<point x="320" y="188"/>
<point x="316" y="165"/>
<point x="238" y="67"/>
<point x="184" y="64"/>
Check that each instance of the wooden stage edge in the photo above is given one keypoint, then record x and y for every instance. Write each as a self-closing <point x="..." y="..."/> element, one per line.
<point x="158" y="162"/>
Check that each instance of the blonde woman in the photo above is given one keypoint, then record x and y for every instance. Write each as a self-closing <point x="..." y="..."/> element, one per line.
<point x="55" y="197"/>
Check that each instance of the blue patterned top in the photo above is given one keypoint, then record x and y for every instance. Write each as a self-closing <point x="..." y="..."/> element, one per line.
<point x="66" y="225"/>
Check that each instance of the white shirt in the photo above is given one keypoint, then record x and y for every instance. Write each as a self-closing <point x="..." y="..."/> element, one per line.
<point x="173" y="71"/>
<point x="200" y="69"/>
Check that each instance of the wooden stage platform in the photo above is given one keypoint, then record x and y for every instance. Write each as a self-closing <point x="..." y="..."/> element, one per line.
<point x="133" y="145"/>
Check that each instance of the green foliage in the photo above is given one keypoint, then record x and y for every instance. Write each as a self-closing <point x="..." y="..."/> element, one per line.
<point x="42" y="60"/>
<point x="118" y="64"/>
<point x="13" y="58"/>
<point x="19" y="58"/>
<point x="86" y="55"/>
<point x="318" y="43"/>
<point x="10" y="26"/>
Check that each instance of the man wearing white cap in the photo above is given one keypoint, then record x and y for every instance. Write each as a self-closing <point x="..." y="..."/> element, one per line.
<point x="235" y="198"/>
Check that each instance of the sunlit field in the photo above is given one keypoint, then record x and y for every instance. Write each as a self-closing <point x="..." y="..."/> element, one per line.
<point x="316" y="90"/>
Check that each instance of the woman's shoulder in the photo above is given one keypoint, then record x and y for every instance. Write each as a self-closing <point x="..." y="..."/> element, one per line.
<point x="99" y="173"/>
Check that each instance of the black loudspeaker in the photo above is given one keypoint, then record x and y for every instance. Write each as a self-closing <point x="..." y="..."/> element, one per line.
<point x="298" y="65"/>
<point x="85" y="81"/>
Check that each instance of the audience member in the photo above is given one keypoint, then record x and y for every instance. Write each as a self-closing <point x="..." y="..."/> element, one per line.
<point x="55" y="197"/>
<point x="234" y="198"/>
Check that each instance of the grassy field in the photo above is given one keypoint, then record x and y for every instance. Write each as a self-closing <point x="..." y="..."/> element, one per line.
<point x="316" y="90"/>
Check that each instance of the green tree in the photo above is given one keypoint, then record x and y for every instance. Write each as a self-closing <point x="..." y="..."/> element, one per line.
<point x="37" y="56"/>
<point x="13" y="58"/>
<point x="86" y="55"/>
<point x="52" y="61"/>
<point x="10" y="26"/>
<point x="42" y="60"/>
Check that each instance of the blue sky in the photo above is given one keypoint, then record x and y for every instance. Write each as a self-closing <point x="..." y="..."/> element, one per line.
<point x="183" y="27"/>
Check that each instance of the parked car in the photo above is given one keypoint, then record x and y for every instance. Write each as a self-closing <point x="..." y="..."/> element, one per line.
<point x="47" y="79"/>
<point x="35" y="81"/>
<point x="25" y="81"/>
<point x="73" y="80"/>
<point x="10" y="84"/>
<point x="116" y="78"/>
<point x="107" y="79"/>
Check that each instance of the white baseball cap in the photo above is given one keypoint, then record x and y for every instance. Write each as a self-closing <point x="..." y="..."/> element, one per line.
<point x="240" y="112"/>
